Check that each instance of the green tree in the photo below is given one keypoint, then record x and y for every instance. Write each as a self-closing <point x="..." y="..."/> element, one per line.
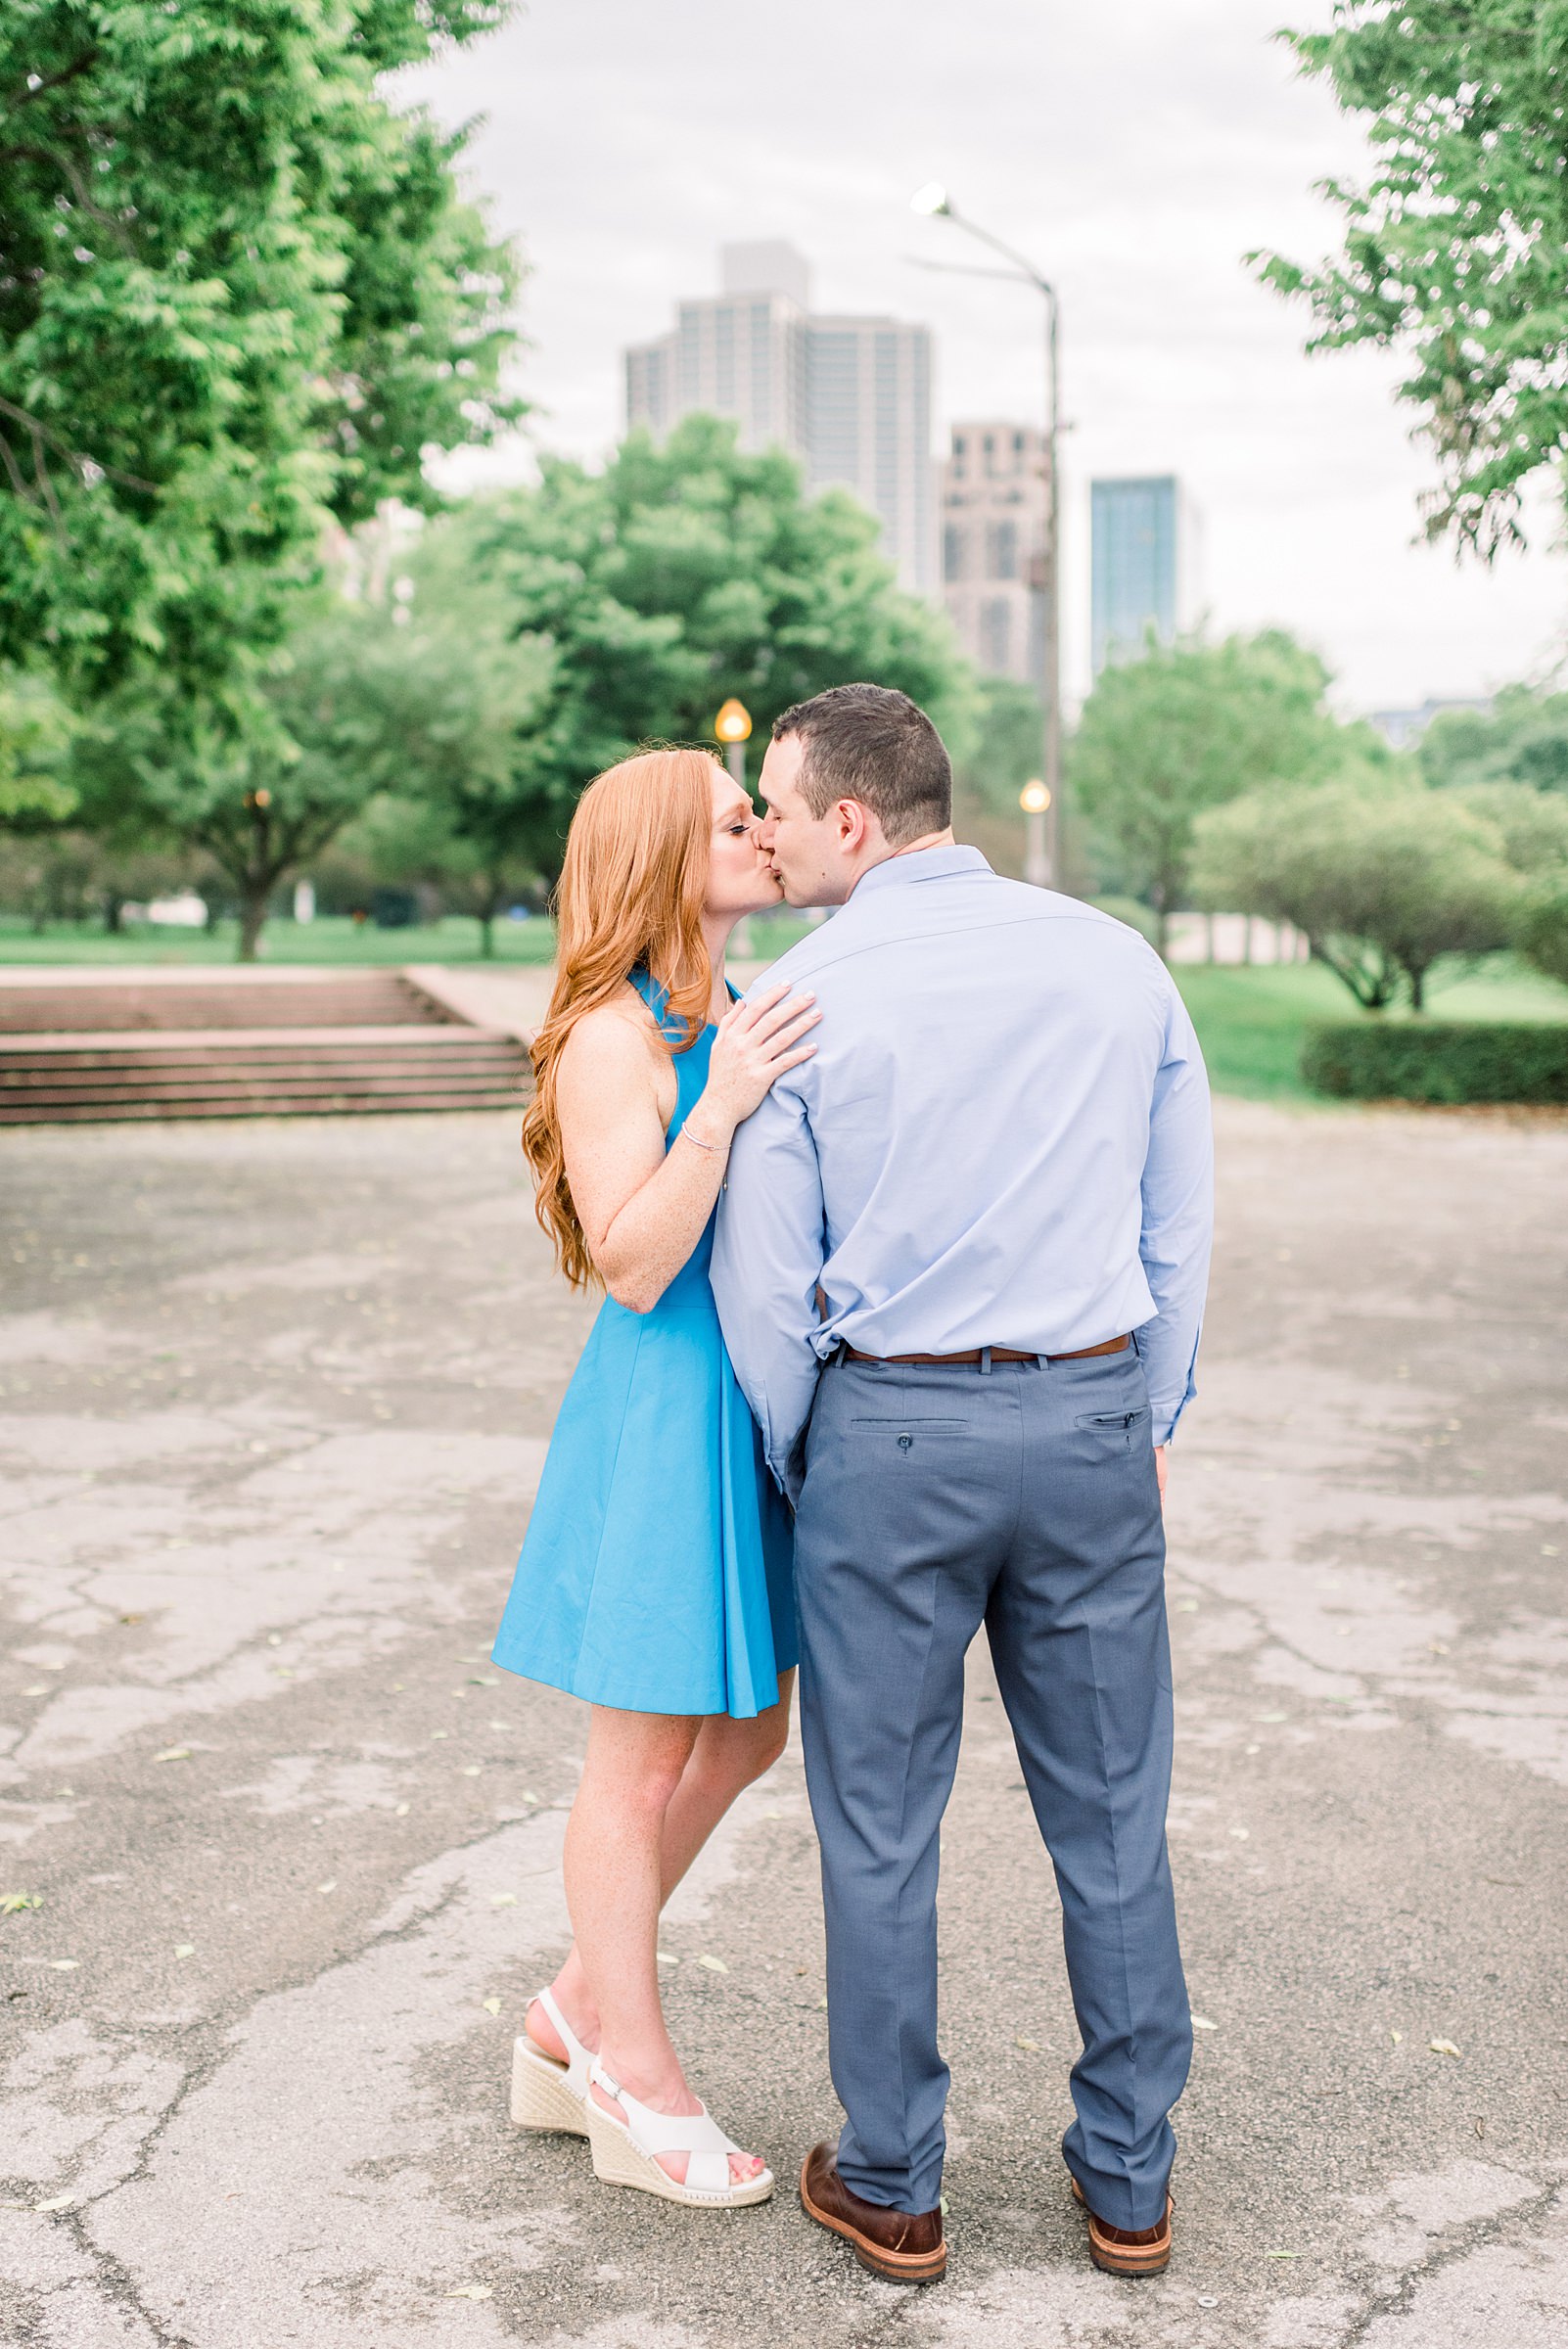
<point x="1523" y="738"/>
<point x="459" y="707"/>
<point x="239" y="298"/>
<point x="35" y="732"/>
<point x="1383" y="881"/>
<point x="1183" y="728"/>
<point x="1542" y="931"/>
<point x="680" y="575"/>
<point x="1454" y="247"/>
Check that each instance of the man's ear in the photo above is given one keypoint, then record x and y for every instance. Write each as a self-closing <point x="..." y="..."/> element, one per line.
<point x="855" y="824"/>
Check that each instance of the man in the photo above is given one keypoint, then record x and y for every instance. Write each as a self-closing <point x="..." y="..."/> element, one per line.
<point x="960" y="1265"/>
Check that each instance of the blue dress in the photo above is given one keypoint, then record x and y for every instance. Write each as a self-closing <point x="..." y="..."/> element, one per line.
<point x="657" y="1572"/>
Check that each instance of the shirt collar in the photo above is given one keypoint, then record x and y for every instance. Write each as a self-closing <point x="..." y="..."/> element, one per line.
<point x="921" y="864"/>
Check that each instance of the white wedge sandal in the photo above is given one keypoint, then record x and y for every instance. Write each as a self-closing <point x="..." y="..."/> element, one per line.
<point x="545" y="2094"/>
<point x="625" y="2152"/>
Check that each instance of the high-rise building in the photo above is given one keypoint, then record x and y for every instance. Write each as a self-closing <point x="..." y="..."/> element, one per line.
<point x="850" y="397"/>
<point x="1142" y="547"/>
<point x="994" y="546"/>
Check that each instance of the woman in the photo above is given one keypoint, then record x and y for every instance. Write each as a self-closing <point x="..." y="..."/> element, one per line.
<point x="656" y="1577"/>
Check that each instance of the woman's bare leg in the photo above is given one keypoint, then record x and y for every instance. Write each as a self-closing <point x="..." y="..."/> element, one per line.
<point x="634" y="1832"/>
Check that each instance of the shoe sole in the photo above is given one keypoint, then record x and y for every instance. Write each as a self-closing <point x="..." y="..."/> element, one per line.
<point x="893" y="2266"/>
<point x="618" y="2161"/>
<point x="540" y="2096"/>
<point x="1126" y="2259"/>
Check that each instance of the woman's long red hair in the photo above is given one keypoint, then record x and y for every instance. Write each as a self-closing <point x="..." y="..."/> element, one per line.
<point x="631" y="891"/>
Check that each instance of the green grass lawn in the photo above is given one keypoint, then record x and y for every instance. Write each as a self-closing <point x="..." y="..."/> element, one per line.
<point x="333" y="939"/>
<point x="1250" y="1021"/>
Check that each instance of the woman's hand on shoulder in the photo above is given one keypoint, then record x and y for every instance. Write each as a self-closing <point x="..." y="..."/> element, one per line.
<point x="755" y="1042"/>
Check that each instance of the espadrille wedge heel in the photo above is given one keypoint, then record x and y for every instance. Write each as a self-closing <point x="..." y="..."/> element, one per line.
<point x="625" y="2152"/>
<point x="546" y="2094"/>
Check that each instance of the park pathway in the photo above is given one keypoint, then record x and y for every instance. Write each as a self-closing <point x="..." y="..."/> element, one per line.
<point x="273" y="1398"/>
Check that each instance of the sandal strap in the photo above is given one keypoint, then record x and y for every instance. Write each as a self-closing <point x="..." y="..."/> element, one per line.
<point x="695" y="2133"/>
<point x="578" y="2060"/>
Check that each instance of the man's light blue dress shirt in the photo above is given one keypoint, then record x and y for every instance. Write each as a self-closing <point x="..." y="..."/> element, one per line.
<point x="1003" y="1141"/>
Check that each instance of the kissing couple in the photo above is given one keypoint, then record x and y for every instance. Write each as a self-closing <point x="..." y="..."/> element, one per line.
<point x="906" y="1254"/>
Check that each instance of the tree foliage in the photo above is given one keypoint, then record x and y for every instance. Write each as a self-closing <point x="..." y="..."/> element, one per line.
<point x="1383" y="880"/>
<point x="35" y="731"/>
<point x="681" y="575"/>
<point x="1456" y="246"/>
<point x="1182" y="729"/>
<point x="239" y="294"/>
<point x="1523" y="738"/>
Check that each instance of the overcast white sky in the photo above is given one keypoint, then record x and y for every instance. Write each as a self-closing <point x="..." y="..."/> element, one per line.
<point x="1136" y="150"/>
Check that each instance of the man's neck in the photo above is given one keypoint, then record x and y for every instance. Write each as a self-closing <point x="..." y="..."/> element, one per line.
<point x="909" y="847"/>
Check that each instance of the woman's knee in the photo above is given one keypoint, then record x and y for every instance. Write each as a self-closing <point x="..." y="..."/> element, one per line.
<point x="740" y="1753"/>
<point x="637" y="1764"/>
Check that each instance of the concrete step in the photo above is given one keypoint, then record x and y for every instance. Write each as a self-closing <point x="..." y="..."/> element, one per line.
<point x="244" y="999"/>
<point x="259" y="1072"/>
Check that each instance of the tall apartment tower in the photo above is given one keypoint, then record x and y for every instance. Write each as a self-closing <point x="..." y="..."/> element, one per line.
<point x="1143" y="541"/>
<point x="850" y="397"/>
<point x="994" y="546"/>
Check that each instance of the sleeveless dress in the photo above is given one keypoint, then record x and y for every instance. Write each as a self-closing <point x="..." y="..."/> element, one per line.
<point x="657" y="1571"/>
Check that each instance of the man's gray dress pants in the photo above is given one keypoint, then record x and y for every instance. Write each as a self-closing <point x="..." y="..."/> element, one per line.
<point x="1022" y="1495"/>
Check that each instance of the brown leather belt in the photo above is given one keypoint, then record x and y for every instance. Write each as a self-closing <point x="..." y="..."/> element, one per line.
<point x="998" y="1354"/>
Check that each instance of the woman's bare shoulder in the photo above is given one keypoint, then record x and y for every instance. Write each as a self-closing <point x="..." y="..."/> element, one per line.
<point x="615" y="1041"/>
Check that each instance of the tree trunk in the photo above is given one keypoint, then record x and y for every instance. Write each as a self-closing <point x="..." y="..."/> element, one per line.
<point x="252" y="918"/>
<point x="1162" y="932"/>
<point x="114" y="910"/>
<point x="1417" y="979"/>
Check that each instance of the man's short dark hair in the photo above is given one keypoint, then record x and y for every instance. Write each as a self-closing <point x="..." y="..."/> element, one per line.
<point x="868" y="743"/>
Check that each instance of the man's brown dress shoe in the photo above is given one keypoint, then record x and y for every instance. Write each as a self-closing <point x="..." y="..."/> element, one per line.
<point x="1127" y="2252"/>
<point x="904" y="2248"/>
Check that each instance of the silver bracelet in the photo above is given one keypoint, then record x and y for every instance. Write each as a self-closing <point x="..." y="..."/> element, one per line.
<point x="686" y="1134"/>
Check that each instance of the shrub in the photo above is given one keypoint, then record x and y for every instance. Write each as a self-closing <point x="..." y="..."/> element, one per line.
<point x="1451" y="1062"/>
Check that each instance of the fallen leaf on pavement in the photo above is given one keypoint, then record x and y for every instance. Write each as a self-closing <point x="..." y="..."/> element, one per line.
<point x="714" y="1965"/>
<point x="331" y="1885"/>
<point x="491" y="2006"/>
<point x="1442" y="2047"/>
<point x="1032" y="2045"/>
<point x="1201" y="2022"/>
<point x="185" y="1949"/>
<point x="13" y="1902"/>
<point x="59" y="2203"/>
<point x="173" y="1753"/>
<point x="472" y="2291"/>
<point x="503" y="1900"/>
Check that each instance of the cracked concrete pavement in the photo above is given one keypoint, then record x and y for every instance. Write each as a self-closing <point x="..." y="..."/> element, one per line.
<point x="273" y="1398"/>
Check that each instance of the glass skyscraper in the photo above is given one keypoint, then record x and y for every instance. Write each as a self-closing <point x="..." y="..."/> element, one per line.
<point x="1139" y="539"/>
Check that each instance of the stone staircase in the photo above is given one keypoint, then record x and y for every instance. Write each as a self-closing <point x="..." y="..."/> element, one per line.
<point x="82" y="1048"/>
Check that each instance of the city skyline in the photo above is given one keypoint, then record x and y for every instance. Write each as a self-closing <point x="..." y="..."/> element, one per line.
<point x="850" y="397"/>
<point x="1136" y="160"/>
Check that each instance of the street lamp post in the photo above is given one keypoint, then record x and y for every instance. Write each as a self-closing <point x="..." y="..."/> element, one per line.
<point x="1036" y="801"/>
<point x="935" y="201"/>
<point x="733" y="728"/>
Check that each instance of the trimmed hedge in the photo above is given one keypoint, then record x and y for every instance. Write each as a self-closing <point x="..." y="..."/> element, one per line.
<point x="1426" y="1059"/>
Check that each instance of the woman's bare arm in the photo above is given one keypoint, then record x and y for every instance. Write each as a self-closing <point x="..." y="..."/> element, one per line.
<point x="643" y="1209"/>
